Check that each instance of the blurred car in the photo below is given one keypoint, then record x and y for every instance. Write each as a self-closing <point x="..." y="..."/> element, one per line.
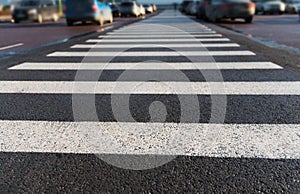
<point x="185" y="4"/>
<point x="270" y="6"/>
<point x="148" y="8"/>
<point x="115" y="10"/>
<point x="129" y="8"/>
<point x="201" y="14"/>
<point x="154" y="7"/>
<point x="87" y="10"/>
<point x="219" y="9"/>
<point x="292" y="6"/>
<point x="192" y="8"/>
<point x="35" y="10"/>
<point x="142" y="10"/>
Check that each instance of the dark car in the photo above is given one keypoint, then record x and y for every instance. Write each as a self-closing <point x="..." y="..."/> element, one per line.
<point x="148" y="8"/>
<point x="35" y="10"/>
<point x="185" y="4"/>
<point x="115" y="10"/>
<point x="87" y="10"/>
<point x="130" y="8"/>
<point x="201" y="14"/>
<point x="292" y="6"/>
<point x="220" y="9"/>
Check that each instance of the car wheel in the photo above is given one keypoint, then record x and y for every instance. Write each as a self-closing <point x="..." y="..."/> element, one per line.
<point x="215" y="19"/>
<point x="69" y="23"/>
<point x="249" y="19"/>
<point x="40" y="19"/>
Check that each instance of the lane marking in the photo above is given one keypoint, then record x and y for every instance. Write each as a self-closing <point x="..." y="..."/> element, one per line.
<point x="160" y="40"/>
<point x="217" y="45"/>
<point x="11" y="46"/>
<point x="160" y="36"/>
<point x="151" y="54"/>
<point x="236" y="140"/>
<point x="131" y="87"/>
<point x="145" y="66"/>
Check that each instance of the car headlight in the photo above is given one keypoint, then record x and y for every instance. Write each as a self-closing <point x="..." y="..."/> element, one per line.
<point x="32" y="11"/>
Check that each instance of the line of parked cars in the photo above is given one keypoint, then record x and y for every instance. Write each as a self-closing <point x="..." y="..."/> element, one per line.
<point x="96" y="11"/>
<point x="134" y="9"/>
<point x="215" y="10"/>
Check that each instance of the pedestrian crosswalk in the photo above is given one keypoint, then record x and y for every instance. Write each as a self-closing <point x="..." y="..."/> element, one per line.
<point x="276" y="139"/>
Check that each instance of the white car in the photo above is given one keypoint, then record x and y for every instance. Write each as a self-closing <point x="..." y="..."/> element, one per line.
<point x="142" y="10"/>
<point x="292" y="6"/>
<point x="270" y="6"/>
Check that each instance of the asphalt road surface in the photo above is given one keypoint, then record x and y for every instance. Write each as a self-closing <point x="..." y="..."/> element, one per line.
<point x="272" y="30"/>
<point x="27" y="35"/>
<point x="163" y="105"/>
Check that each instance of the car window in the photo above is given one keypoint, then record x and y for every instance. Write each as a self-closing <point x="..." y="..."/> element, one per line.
<point x="29" y="3"/>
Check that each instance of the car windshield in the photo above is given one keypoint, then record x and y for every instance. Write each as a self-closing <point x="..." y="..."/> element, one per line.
<point x="29" y="3"/>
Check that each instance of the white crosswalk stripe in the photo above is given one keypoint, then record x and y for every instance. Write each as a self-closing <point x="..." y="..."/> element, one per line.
<point x="145" y="66"/>
<point x="274" y="141"/>
<point x="206" y="88"/>
<point x="137" y="33"/>
<point x="197" y="45"/>
<point x="52" y="137"/>
<point x="117" y="36"/>
<point x="151" y="54"/>
<point x="159" y="40"/>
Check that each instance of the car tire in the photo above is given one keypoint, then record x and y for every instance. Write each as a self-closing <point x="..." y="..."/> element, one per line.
<point x="69" y="23"/>
<point x="248" y="20"/>
<point x="215" y="20"/>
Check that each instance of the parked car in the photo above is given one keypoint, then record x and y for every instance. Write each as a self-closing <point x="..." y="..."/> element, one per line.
<point x="292" y="6"/>
<point x="148" y="8"/>
<point x="154" y="7"/>
<point x="270" y="6"/>
<point x="192" y="8"/>
<point x="219" y="9"/>
<point x="35" y="10"/>
<point x="129" y="8"/>
<point x="142" y="10"/>
<point x="115" y="10"/>
<point x="184" y="5"/>
<point x="87" y="10"/>
<point x="201" y="14"/>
